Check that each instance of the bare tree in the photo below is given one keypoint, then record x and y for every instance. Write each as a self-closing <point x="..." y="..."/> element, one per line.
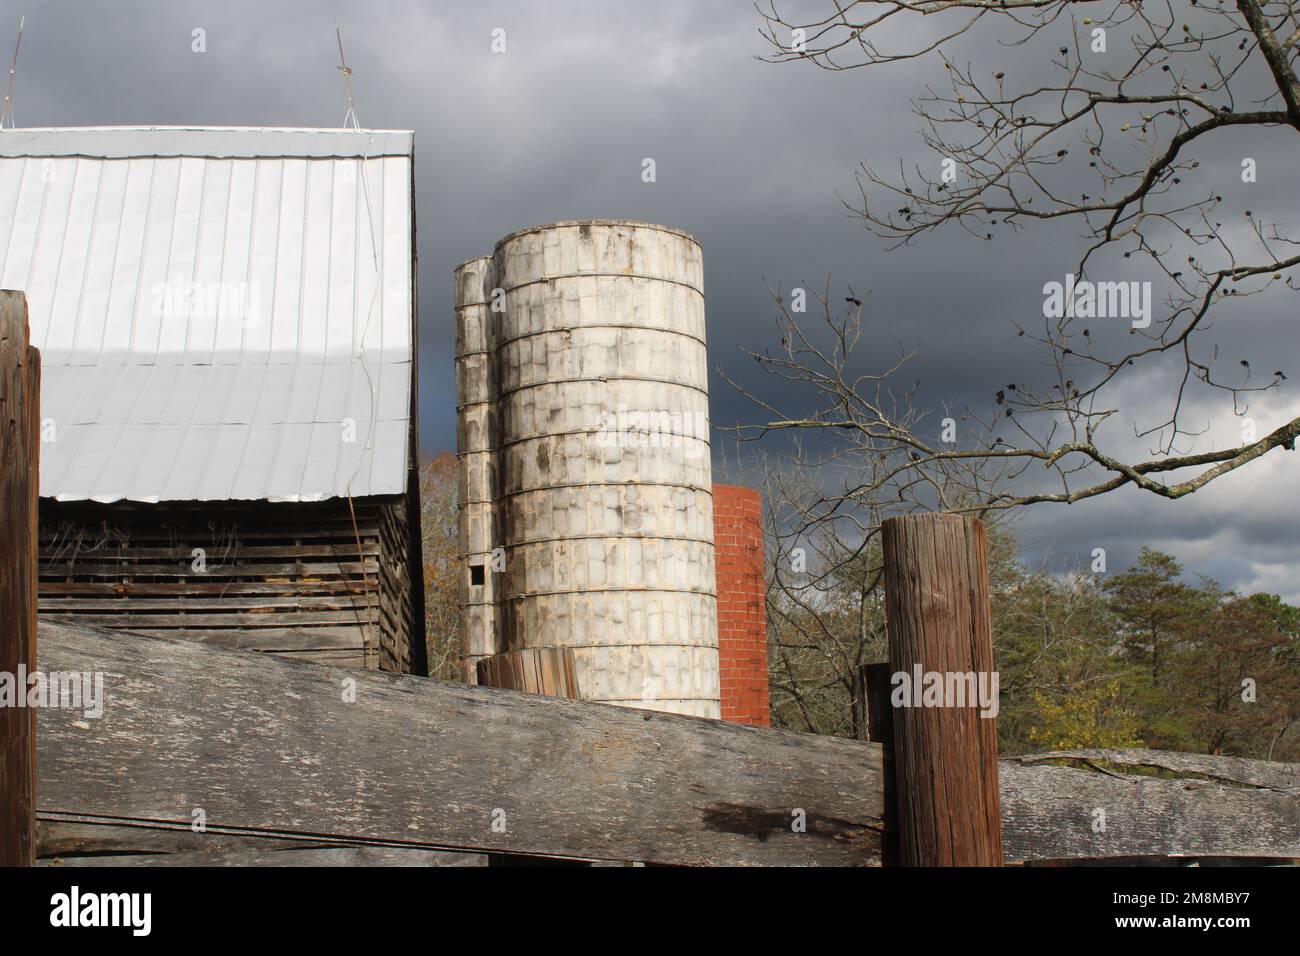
<point x="824" y="504"/>
<point x="824" y="605"/>
<point x="1110" y="143"/>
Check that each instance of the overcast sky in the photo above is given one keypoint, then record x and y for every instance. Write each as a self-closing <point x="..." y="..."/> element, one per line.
<point x="751" y="158"/>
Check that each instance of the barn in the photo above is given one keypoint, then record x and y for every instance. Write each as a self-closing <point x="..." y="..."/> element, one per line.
<point x="227" y="326"/>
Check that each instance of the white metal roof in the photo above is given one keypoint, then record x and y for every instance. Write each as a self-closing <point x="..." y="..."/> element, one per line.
<point x="214" y="318"/>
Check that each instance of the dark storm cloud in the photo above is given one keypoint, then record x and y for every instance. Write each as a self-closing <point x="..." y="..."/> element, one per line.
<point x="752" y="158"/>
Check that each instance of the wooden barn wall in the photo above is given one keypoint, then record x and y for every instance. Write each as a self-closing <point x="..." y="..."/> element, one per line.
<point x="399" y="649"/>
<point x="283" y="578"/>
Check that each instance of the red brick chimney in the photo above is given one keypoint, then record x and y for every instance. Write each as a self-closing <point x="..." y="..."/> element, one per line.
<point x="742" y="605"/>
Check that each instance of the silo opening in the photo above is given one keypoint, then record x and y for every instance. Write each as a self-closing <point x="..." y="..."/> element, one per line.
<point x="476" y="578"/>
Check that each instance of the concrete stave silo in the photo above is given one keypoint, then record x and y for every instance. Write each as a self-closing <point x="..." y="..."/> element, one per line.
<point x="602" y="455"/>
<point x="477" y="439"/>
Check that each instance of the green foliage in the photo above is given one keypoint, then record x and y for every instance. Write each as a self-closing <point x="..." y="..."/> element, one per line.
<point x="1096" y="717"/>
<point x="1139" y="658"/>
<point x="1147" y="659"/>
<point x="1063" y="683"/>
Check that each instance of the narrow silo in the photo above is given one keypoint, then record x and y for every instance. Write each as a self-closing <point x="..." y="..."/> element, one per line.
<point x="604" y="498"/>
<point x="476" y="445"/>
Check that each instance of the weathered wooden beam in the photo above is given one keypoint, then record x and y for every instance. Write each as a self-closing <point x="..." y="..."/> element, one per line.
<point x="1048" y="814"/>
<point x="20" y="426"/>
<point x="1060" y="813"/>
<point x="945" y="751"/>
<point x="266" y="746"/>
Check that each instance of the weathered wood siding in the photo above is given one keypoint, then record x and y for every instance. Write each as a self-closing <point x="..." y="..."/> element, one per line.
<point x="283" y="578"/>
<point x="399" y="649"/>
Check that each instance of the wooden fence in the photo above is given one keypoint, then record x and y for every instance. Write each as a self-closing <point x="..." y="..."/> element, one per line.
<point x="282" y="770"/>
<point x="206" y="755"/>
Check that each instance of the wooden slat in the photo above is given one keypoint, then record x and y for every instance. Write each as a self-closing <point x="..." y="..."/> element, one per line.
<point x="550" y="671"/>
<point x="235" y="603"/>
<point x="216" y="553"/>
<point x="268" y="745"/>
<point x="400" y="640"/>
<point x="356" y="657"/>
<point x="306" y="569"/>
<point x="234" y="589"/>
<point x="252" y="622"/>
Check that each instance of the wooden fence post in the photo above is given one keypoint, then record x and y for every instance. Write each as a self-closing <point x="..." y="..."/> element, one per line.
<point x="946" y="756"/>
<point x="20" y="426"/>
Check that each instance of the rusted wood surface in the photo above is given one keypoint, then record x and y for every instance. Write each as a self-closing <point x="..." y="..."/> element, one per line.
<point x="20" y="424"/>
<point x="550" y="671"/>
<point x="267" y="746"/>
<point x="945" y="757"/>
<point x="1063" y="813"/>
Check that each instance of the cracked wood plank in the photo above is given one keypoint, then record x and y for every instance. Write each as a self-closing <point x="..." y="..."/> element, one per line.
<point x="1060" y="813"/>
<point x="1252" y="773"/>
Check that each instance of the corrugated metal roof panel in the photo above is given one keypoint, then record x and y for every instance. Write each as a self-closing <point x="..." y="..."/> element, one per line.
<point x="222" y="313"/>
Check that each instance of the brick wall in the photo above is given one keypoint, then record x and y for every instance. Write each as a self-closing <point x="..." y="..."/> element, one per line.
<point x="742" y="614"/>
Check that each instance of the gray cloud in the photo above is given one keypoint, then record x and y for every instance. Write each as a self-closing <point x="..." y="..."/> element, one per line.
<point x="753" y="158"/>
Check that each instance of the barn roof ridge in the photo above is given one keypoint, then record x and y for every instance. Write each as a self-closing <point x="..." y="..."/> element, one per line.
<point x="210" y="142"/>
